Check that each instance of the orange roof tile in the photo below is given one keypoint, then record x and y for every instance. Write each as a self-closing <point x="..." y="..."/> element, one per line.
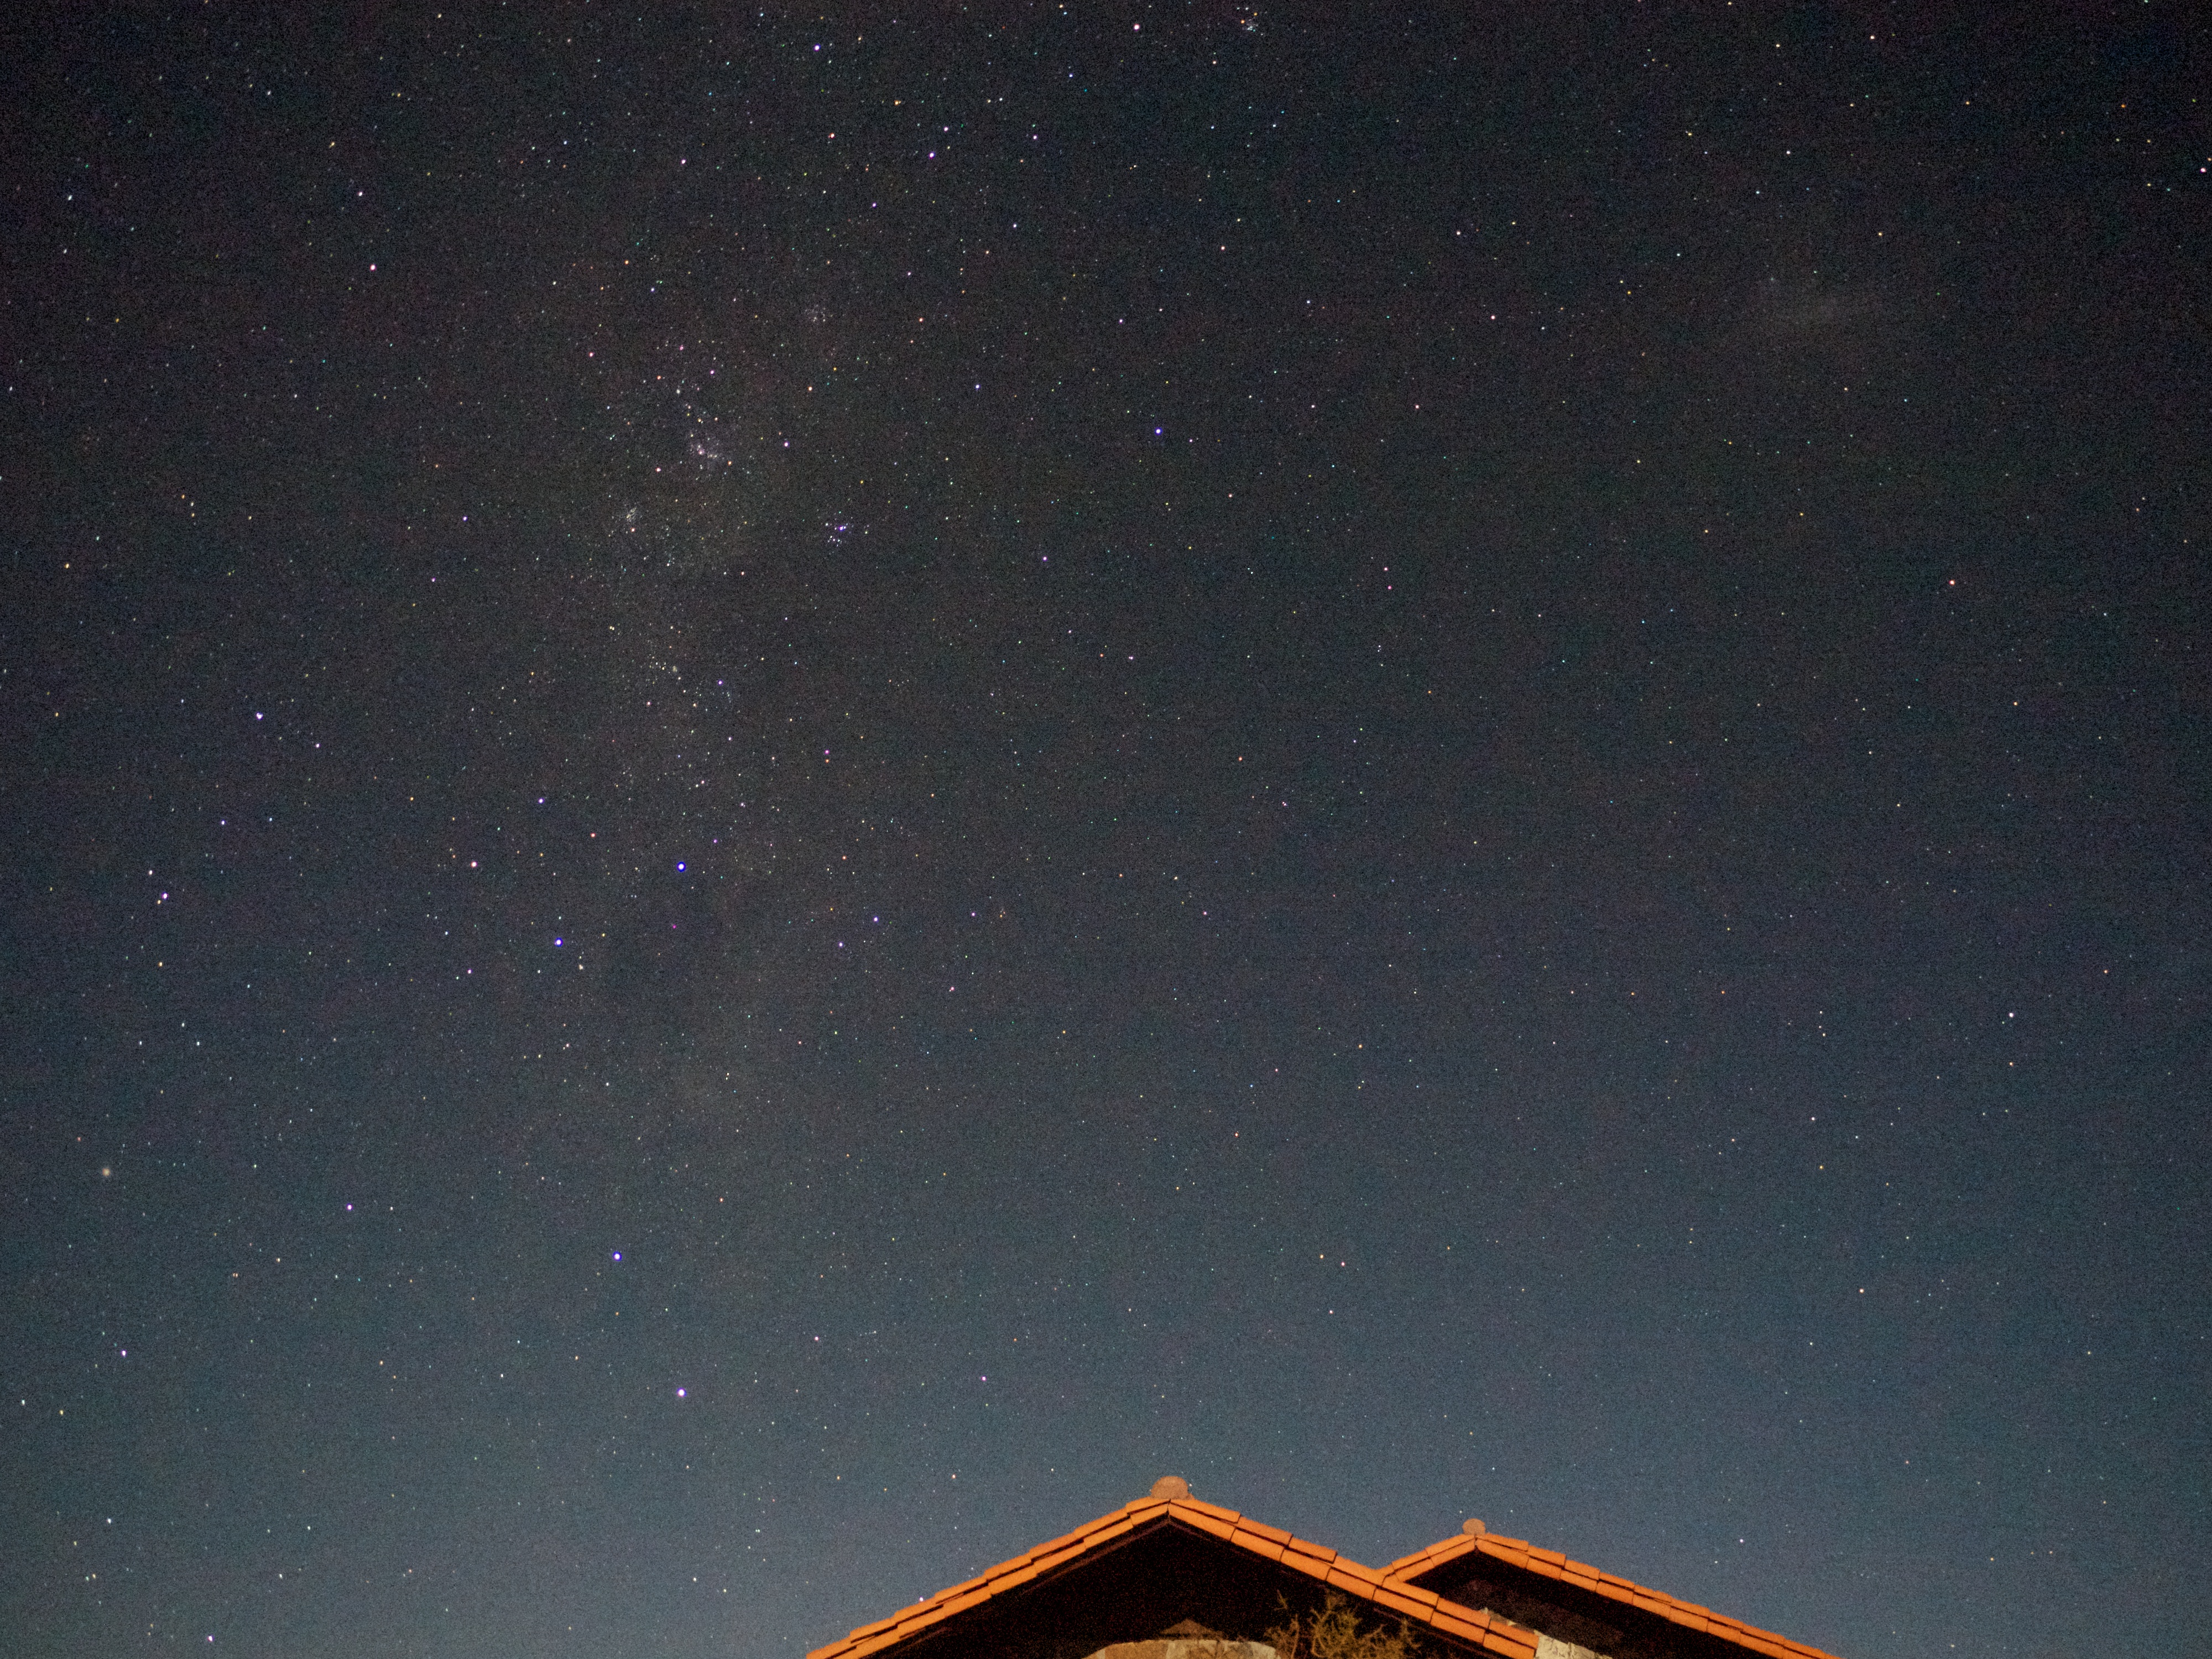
<point x="1485" y="1632"/>
<point x="1550" y="1564"/>
<point x="1213" y="1524"/>
<point x="1260" y="1540"/>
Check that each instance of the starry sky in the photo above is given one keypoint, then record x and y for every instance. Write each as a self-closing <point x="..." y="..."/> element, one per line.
<point x="787" y="792"/>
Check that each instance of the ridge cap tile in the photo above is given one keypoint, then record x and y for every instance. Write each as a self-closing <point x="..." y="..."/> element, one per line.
<point x="1201" y="1504"/>
<point x="1058" y="1558"/>
<point x="1212" y="1526"/>
<point x="1387" y="1596"/>
<point x="1504" y="1636"/>
<point x="1445" y="1549"/>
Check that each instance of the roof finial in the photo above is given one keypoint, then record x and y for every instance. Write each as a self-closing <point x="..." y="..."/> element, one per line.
<point x="1170" y="1486"/>
<point x="1473" y="1528"/>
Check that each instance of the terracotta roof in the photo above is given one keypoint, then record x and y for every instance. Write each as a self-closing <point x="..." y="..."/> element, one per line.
<point x="1464" y="1628"/>
<point x="1425" y="1566"/>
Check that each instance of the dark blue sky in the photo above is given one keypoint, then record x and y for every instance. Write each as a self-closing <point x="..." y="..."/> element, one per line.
<point x="788" y="795"/>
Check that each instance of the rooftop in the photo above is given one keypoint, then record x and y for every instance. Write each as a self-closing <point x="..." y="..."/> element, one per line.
<point x="1142" y="1570"/>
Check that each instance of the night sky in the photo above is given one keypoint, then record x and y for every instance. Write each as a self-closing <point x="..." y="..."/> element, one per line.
<point x="785" y="795"/>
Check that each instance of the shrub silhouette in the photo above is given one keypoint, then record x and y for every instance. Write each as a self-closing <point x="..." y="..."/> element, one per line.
<point x="1332" y="1631"/>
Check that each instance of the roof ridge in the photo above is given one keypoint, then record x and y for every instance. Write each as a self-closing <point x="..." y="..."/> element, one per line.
<point x="1475" y="1627"/>
<point x="1554" y="1564"/>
